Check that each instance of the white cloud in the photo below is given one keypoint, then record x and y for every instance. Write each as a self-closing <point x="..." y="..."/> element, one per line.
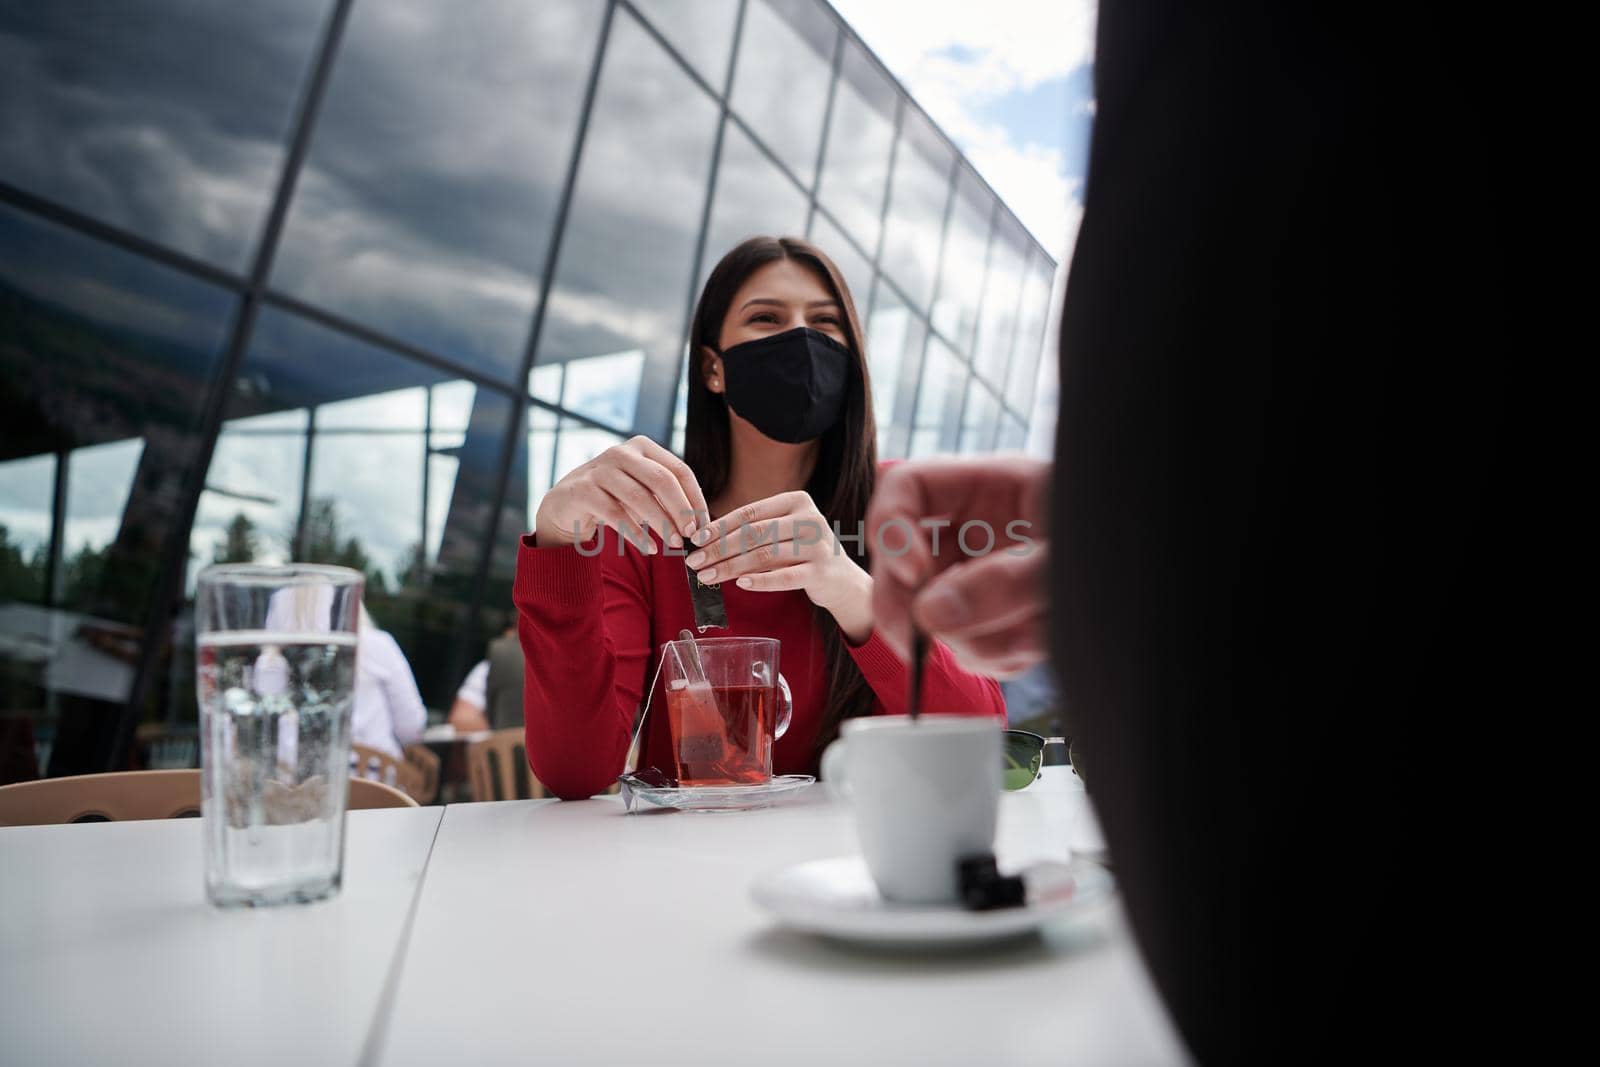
<point x="956" y="56"/>
<point x="1020" y="42"/>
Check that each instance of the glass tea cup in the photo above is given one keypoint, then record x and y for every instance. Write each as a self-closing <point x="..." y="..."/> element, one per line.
<point x="726" y="704"/>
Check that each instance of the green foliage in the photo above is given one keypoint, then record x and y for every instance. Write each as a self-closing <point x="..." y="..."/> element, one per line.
<point x="83" y="573"/>
<point x="239" y="543"/>
<point x="323" y="544"/>
<point x="22" y="578"/>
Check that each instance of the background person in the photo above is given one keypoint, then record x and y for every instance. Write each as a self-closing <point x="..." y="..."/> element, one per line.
<point x="389" y="713"/>
<point x="503" y="678"/>
<point x="469" y="710"/>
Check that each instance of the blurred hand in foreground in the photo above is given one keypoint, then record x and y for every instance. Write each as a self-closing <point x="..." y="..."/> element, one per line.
<point x="959" y="547"/>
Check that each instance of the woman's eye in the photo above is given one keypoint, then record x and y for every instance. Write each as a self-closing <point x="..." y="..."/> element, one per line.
<point x="828" y="320"/>
<point x="764" y="316"/>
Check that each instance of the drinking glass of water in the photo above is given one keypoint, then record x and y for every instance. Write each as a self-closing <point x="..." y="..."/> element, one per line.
<point x="275" y="667"/>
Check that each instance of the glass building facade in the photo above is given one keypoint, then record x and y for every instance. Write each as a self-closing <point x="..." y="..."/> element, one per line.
<point x="356" y="281"/>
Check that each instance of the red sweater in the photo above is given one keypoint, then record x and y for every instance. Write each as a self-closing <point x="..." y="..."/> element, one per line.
<point x="592" y="628"/>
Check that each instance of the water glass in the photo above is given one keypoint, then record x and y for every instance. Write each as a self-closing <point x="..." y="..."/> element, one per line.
<point x="275" y="666"/>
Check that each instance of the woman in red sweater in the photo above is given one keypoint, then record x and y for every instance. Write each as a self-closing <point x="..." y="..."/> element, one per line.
<point x="780" y="443"/>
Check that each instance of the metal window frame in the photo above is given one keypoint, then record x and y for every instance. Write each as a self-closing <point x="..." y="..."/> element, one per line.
<point x="170" y="567"/>
<point x="519" y="421"/>
<point x="978" y="317"/>
<point x="253" y="292"/>
<point x="827" y="129"/>
<point x="697" y="262"/>
<point x="938" y="277"/>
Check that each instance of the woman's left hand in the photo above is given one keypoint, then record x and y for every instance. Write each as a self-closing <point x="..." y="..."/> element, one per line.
<point x="784" y="542"/>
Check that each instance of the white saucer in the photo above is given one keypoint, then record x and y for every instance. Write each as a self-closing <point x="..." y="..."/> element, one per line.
<point x="837" y="898"/>
<point x="714" y="797"/>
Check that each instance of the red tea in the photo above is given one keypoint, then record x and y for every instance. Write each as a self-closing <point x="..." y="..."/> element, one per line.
<point x="722" y="735"/>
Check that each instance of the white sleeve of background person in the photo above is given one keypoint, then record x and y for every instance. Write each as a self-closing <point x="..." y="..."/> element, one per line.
<point x="475" y="689"/>
<point x="389" y="713"/>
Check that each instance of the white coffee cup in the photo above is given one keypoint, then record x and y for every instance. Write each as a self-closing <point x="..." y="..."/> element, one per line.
<point x="926" y="793"/>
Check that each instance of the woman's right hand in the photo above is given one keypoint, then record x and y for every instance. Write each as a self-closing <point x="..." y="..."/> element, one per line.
<point x="628" y="486"/>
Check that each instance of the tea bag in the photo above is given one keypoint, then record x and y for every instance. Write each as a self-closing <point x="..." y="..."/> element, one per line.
<point x="692" y="692"/>
<point x="694" y="705"/>
<point x="707" y="600"/>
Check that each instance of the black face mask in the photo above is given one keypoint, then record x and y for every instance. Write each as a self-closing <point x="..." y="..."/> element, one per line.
<point x="790" y="386"/>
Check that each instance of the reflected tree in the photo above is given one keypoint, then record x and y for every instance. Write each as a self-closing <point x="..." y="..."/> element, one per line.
<point x="82" y="574"/>
<point x="323" y="545"/>
<point x="21" y="577"/>
<point x="239" y="543"/>
<point x="414" y="573"/>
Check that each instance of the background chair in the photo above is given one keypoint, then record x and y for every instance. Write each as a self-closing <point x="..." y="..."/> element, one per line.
<point x="497" y="768"/>
<point x="426" y="761"/>
<point x="415" y="775"/>
<point x="366" y="794"/>
<point x="129" y="795"/>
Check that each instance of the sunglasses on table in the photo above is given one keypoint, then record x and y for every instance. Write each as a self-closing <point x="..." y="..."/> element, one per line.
<point x="1024" y="755"/>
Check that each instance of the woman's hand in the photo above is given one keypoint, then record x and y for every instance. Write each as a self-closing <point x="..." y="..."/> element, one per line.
<point x="784" y="542"/>
<point x="629" y="487"/>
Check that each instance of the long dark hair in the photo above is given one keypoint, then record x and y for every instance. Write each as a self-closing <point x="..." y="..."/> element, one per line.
<point x="847" y="459"/>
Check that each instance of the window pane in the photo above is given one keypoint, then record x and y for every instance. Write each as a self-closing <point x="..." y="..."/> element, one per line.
<point x="1001" y="290"/>
<point x="167" y="118"/>
<point x="603" y="387"/>
<point x="577" y="444"/>
<point x="781" y="85"/>
<point x="680" y="411"/>
<point x="104" y="365"/>
<point x="622" y="284"/>
<point x="701" y="30"/>
<point x="895" y="339"/>
<point x="27" y="495"/>
<point x="1013" y="434"/>
<point x="1023" y="373"/>
<point x="853" y="265"/>
<point x="917" y="198"/>
<point x="979" y="419"/>
<point x="753" y="197"/>
<point x="541" y="459"/>
<point x="99" y="480"/>
<point x="554" y="446"/>
<point x="404" y="462"/>
<point x="966" y="253"/>
<point x="860" y="135"/>
<point x="426" y="206"/>
<point x="252" y="496"/>
<point x="938" y="401"/>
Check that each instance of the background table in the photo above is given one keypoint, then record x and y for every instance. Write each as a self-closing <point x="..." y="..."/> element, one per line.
<point x="571" y="933"/>
<point x="109" y="952"/>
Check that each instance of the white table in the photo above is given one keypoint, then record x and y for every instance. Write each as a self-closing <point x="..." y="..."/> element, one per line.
<point x="540" y="932"/>
<point x="110" y="954"/>
<point x="563" y="933"/>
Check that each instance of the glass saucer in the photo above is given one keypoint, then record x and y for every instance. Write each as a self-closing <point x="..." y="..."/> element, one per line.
<point x="634" y="790"/>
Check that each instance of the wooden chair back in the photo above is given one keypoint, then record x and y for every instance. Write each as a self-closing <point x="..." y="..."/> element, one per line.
<point x="101" y="798"/>
<point x="407" y="775"/>
<point x="126" y="795"/>
<point x="426" y="763"/>
<point x="497" y="768"/>
<point x="365" y="794"/>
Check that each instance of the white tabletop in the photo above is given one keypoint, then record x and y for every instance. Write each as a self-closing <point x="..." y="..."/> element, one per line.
<point x="109" y="952"/>
<point x="570" y="933"/>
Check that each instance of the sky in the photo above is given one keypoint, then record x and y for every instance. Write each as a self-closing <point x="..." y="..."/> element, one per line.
<point x="1009" y="82"/>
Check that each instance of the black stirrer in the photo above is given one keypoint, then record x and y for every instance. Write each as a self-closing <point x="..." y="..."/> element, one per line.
<point x="919" y="656"/>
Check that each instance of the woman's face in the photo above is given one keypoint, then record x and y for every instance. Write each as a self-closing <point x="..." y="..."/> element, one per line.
<point x="780" y="296"/>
